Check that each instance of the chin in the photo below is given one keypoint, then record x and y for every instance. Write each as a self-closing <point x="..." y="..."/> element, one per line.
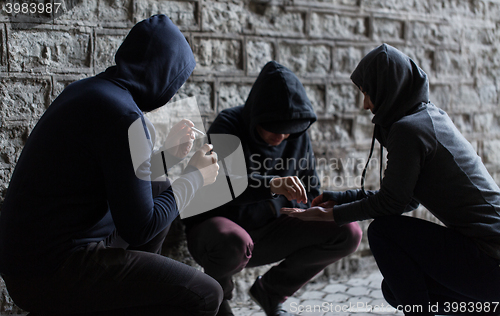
<point x="274" y="143"/>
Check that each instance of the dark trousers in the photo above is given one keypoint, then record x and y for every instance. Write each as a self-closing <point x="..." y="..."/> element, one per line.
<point x="101" y="280"/>
<point x="224" y="248"/>
<point x="434" y="268"/>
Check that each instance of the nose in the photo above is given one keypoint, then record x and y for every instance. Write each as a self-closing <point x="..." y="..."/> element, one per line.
<point x="366" y="105"/>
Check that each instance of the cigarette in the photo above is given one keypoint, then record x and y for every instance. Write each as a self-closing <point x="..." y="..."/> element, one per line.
<point x="195" y="129"/>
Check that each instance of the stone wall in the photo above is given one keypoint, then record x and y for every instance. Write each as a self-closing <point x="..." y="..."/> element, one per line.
<point x="455" y="41"/>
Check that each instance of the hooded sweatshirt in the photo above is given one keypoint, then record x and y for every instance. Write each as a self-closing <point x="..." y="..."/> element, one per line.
<point x="277" y="96"/>
<point x="428" y="160"/>
<point x="75" y="182"/>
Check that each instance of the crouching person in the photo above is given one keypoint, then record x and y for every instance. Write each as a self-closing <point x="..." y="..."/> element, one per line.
<point x="75" y="188"/>
<point x="251" y="231"/>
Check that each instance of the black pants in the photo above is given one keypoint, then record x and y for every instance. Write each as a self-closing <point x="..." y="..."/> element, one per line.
<point x="429" y="269"/>
<point x="224" y="248"/>
<point x="100" y="280"/>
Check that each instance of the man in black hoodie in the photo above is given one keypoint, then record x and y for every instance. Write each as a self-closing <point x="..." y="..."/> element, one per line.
<point x="428" y="269"/>
<point x="250" y="231"/>
<point x="76" y="186"/>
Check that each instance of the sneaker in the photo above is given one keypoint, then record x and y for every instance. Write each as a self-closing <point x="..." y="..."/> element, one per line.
<point x="272" y="306"/>
<point x="225" y="309"/>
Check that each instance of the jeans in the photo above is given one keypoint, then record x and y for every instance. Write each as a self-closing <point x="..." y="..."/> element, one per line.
<point x="100" y="280"/>
<point x="430" y="269"/>
<point x="224" y="248"/>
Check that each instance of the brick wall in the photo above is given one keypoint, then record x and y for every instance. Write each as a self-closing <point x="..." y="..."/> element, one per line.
<point x="455" y="41"/>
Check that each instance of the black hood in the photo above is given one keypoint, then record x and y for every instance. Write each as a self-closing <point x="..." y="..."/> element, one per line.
<point x="395" y="84"/>
<point x="153" y="62"/>
<point x="278" y="97"/>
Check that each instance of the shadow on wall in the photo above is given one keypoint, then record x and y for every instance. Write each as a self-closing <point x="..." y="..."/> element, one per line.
<point x="24" y="15"/>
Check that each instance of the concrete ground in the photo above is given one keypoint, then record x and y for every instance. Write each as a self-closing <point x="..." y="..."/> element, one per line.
<point x="358" y="295"/>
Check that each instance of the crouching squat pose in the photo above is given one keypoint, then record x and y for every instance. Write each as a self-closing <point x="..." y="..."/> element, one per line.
<point x="250" y="231"/>
<point x="75" y="188"/>
<point x="428" y="269"/>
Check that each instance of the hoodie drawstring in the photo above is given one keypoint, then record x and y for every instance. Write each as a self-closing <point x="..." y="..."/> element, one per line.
<point x="363" y="175"/>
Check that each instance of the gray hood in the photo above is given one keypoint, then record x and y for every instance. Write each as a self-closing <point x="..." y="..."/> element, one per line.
<point x="395" y="84"/>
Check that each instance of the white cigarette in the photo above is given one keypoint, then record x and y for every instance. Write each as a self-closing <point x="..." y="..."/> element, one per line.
<point x="195" y="129"/>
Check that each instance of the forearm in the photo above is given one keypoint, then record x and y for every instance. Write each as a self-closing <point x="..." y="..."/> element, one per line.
<point x="343" y="197"/>
<point x="185" y="187"/>
<point x="375" y="205"/>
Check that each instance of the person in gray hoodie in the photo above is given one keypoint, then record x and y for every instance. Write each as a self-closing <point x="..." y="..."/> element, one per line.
<point x="428" y="268"/>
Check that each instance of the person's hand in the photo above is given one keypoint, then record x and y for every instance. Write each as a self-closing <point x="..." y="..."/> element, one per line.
<point x="318" y="201"/>
<point x="180" y="139"/>
<point x="290" y="187"/>
<point x="207" y="164"/>
<point x="315" y="213"/>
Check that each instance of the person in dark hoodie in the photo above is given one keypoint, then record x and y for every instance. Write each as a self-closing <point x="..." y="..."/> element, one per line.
<point x="75" y="188"/>
<point x="428" y="268"/>
<point x="250" y="231"/>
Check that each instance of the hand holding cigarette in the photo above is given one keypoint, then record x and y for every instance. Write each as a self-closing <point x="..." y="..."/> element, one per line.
<point x="180" y="139"/>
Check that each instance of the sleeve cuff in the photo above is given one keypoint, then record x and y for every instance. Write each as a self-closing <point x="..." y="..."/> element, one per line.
<point x="194" y="176"/>
<point x="343" y="197"/>
<point x="261" y="186"/>
<point x="278" y="203"/>
<point x="336" y="196"/>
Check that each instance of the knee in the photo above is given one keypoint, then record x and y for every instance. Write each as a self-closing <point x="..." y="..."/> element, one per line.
<point x="377" y="232"/>
<point x="388" y="295"/>
<point x="222" y="242"/>
<point x="385" y="225"/>
<point x="214" y="298"/>
<point x="207" y="296"/>
<point x="234" y="247"/>
<point x="228" y="250"/>
<point x="377" y="226"/>
<point x="353" y="235"/>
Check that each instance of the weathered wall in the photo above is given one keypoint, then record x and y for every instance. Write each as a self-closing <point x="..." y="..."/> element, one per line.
<point x="455" y="41"/>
